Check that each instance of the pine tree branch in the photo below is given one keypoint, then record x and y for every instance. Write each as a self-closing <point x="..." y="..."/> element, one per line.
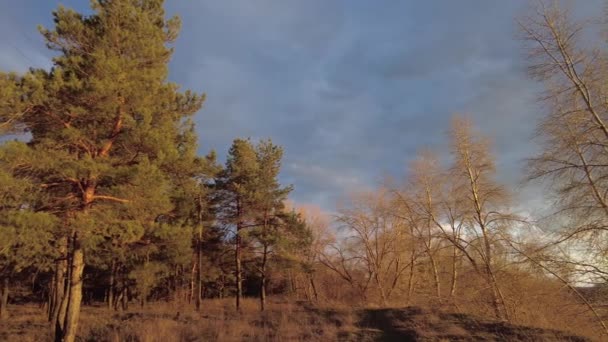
<point x="111" y="198"/>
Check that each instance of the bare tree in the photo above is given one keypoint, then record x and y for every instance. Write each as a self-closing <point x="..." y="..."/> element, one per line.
<point x="474" y="165"/>
<point x="372" y="250"/>
<point x="318" y="222"/>
<point x="574" y="133"/>
<point x="418" y="207"/>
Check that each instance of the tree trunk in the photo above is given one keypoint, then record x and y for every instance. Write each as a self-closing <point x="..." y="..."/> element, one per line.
<point x="435" y="275"/>
<point x="4" y="299"/>
<point x="263" y="279"/>
<point x="199" y="277"/>
<point x="60" y="283"/>
<point x="63" y="288"/>
<point x="221" y="290"/>
<point x="292" y="283"/>
<point x="51" y="298"/>
<point x="75" y="293"/>
<point x="239" y="283"/>
<point x="125" y="298"/>
<point x="410" y="282"/>
<point x="498" y="300"/>
<point x="498" y="303"/>
<point x="454" y="272"/>
<point x="192" y="279"/>
<point x="380" y="286"/>
<point x="118" y="300"/>
<point x="314" y="288"/>
<point x="199" y="256"/>
<point x="111" y="285"/>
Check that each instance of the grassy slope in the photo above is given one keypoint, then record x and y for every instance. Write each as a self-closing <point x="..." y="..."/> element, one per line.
<point x="282" y="322"/>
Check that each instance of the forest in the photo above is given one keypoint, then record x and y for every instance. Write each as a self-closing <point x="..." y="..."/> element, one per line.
<point x="114" y="227"/>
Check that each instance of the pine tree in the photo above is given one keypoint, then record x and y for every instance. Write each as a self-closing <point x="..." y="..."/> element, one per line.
<point x="269" y="205"/>
<point x="27" y="233"/>
<point x="104" y="122"/>
<point x="236" y="198"/>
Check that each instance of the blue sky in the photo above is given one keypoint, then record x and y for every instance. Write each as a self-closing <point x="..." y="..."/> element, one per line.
<point x="350" y="88"/>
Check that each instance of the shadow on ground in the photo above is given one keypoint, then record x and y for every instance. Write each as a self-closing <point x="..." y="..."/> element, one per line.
<point x="415" y="324"/>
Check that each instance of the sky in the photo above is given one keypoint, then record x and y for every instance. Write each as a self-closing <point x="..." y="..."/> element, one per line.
<point x="350" y="88"/>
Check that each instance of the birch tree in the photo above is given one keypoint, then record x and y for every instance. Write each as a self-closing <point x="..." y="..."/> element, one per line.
<point x="573" y="132"/>
<point x="485" y="203"/>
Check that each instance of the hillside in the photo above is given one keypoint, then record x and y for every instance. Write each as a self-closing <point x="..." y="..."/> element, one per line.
<point x="415" y="324"/>
<point x="282" y="322"/>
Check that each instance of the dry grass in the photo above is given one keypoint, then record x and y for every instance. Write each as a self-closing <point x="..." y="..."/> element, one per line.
<point x="283" y="321"/>
<point x="218" y="321"/>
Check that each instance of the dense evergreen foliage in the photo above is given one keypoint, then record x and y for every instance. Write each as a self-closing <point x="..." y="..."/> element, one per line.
<point x="110" y="179"/>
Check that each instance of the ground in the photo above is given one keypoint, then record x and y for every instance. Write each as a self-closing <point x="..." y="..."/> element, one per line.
<point x="283" y="321"/>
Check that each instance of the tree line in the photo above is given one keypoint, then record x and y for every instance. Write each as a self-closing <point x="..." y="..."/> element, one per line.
<point x="108" y="199"/>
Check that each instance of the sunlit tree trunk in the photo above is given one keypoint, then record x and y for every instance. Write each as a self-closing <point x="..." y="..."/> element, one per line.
<point x="263" y="267"/>
<point x="192" y="288"/>
<point x="60" y="282"/>
<point x="454" y="274"/>
<point x="435" y="276"/>
<point x="263" y="279"/>
<point x="315" y="294"/>
<point x="75" y="292"/>
<point x="410" y="281"/>
<point x="237" y="259"/>
<point x="199" y="255"/>
<point x="475" y="165"/>
<point x="65" y="283"/>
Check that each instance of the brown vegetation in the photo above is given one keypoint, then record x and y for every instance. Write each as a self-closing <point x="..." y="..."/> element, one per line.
<point x="282" y="321"/>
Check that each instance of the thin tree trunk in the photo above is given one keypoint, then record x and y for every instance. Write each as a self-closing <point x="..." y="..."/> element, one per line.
<point x="118" y="300"/>
<point x="263" y="279"/>
<point x="237" y="259"/>
<point x="60" y="283"/>
<point x="497" y="298"/>
<point x="222" y="285"/>
<point x="4" y="299"/>
<point x="380" y="287"/>
<point x="429" y="245"/>
<point x="111" y="285"/>
<point x="498" y="302"/>
<point x="175" y="285"/>
<point x="292" y="284"/>
<point x="192" y="279"/>
<point x="314" y="288"/>
<point x="199" y="256"/>
<point x="125" y="298"/>
<point x="51" y="298"/>
<point x="410" y="282"/>
<point x="199" y="277"/>
<point x="454" y="272"/>
<point x="75" y="293"/>
<point x="239" y="283"/>
<point x="435" y="275"/>
<point x="63" y="286"/>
